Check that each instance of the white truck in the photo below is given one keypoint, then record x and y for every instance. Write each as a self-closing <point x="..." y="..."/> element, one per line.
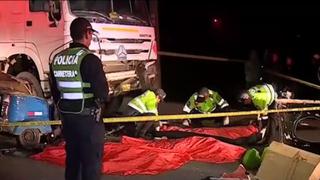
<point x="32" y="31"/>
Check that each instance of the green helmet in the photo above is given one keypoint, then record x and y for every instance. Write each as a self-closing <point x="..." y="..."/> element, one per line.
<point x="251" y="160"/>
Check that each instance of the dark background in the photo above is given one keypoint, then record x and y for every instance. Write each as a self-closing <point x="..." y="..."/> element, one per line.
<point x="189" y="27"/>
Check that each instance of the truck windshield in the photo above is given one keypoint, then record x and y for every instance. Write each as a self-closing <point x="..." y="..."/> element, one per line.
<point x="129" y="12"/>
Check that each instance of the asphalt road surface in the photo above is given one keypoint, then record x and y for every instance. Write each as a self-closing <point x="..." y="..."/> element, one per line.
<point x="17" y="167"/>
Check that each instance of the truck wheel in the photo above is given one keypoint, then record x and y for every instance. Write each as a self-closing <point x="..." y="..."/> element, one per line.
<point x="29" y="138"/>
<point x="33" y="81"/>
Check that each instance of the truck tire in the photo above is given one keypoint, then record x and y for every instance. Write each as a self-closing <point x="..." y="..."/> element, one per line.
<point x="33" y="81"/>
<point x="29" y="138"/>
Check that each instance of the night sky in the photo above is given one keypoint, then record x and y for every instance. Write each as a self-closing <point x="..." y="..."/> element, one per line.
<point x="240" y="25"/>
<point x="189" y="27"/>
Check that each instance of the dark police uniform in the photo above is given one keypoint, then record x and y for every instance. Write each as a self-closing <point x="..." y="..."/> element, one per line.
<point x="79" y="89"/>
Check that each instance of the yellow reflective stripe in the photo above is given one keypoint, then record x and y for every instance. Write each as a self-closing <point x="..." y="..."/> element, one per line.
<point x="220" y="102"/>
<point x="72" y="84"/>
<point x="224" y="105"/>
<point x="271" y="94"/>
<point x="186" y="109"/>
<point x="74" y="96"/>
<point x="69" y="84"/>
<point x="135" y="107"/>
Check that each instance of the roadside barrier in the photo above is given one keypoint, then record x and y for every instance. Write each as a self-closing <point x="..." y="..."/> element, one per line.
<point x="221" y="59"/>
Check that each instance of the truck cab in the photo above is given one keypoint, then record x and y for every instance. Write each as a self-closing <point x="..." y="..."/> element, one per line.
<point x="33" y="31"/>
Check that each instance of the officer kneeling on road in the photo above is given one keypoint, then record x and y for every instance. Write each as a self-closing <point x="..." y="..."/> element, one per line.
<point x="206" y="101"/>
<point x="80" y="90"/>
<point x="261" y="97"/>
<point x="145" y="104"/>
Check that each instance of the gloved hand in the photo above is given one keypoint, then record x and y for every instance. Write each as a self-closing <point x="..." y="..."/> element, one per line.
<point x="186" y="122"/>
<point x="226" y="121"/>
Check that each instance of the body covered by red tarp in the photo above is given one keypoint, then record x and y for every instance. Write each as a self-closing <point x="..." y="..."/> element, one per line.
<point x="226" y="132"/>
<point x="138" y="156"/>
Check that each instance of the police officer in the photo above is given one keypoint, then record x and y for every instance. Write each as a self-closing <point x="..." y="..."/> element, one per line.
<point x="145" y="104"/>
<point x="205" y="101"/>
<point x="261" y="96"/>
<point x="80" y="90"/>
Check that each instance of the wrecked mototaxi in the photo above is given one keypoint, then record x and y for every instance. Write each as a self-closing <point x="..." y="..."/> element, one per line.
<point x="17" y="104"/>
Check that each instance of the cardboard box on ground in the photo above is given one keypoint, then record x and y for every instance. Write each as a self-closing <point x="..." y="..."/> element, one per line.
<point x="283" y="162"/>
<point x="316" y="173"/>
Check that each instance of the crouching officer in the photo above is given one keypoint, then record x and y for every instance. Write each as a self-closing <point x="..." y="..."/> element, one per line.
<point x="145" y="104"/>
<point x="80" y="90"/>
<point x="206" y="101"/>
<point x="261" y="96"/>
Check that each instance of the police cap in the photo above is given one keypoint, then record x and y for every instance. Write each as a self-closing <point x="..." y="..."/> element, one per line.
<point x="79" y="27"/>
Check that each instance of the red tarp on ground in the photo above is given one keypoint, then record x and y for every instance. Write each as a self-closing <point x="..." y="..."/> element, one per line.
<point x="227" y="132"/>
<point x="138" y="156"/>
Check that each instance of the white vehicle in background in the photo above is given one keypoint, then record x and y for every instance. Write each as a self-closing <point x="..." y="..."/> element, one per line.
<point x="32" y="31"/>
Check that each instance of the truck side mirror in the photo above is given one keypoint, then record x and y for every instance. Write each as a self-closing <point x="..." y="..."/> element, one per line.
<point x="54" y="12"/>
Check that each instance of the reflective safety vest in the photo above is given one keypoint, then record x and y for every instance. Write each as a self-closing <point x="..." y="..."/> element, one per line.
<point x="145" y="103"/>
<point x="262" y="96"/>
<point x="208" y="105"/>
<point x="66" y="69"/>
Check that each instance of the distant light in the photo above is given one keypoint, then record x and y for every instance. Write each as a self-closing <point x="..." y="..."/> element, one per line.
<point x="216" y="23"/>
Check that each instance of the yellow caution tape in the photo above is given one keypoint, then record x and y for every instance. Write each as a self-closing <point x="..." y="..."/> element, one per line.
<point x="163" y="117"/>
<point x="30" y="123"/>
<point x="192" y="116"/>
